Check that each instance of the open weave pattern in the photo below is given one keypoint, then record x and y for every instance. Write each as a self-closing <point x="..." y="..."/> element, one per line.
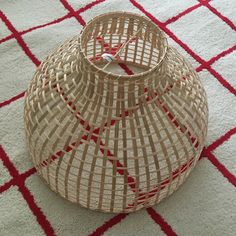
<point x="204" y="31"/>
<point x="141" y="134"/>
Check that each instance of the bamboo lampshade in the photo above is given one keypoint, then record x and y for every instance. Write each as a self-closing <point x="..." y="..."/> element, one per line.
<point x="112" y="141"/>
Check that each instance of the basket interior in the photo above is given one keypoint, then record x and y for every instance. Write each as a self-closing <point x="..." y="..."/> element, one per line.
<point x="109" y="33"/>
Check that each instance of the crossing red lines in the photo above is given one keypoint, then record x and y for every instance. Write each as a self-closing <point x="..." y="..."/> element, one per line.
<point x="20" y="182"/>
<point x="19" y="39"/>
<point x="186" y="48"/>
<point x="19" y="179"/>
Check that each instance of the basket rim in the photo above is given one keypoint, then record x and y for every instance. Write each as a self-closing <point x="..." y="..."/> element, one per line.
<point x="119" y="76"/>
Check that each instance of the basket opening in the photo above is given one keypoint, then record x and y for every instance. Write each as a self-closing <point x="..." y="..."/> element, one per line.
<point x="141" y="43"/>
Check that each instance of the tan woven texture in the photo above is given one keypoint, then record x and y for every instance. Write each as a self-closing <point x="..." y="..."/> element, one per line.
<point x="115" y="142"/>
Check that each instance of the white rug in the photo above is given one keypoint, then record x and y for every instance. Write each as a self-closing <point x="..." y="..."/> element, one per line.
<point x="204" y="31"/>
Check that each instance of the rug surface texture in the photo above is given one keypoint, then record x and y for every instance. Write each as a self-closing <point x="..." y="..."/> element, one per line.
<point x="204" y="32"/>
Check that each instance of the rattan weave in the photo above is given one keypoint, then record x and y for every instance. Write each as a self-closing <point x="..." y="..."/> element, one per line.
<point x="115" y="142"/>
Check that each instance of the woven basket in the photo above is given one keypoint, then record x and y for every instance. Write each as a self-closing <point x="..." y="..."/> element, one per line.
<point x="112" y="141"/>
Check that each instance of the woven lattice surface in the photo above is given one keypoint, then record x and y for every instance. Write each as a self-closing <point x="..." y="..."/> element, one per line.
<point x="111" y="142"/>
<point x="202" y="31"/>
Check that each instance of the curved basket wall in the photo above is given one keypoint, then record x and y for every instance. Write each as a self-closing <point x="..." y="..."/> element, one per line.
<point x="113" y="142"/>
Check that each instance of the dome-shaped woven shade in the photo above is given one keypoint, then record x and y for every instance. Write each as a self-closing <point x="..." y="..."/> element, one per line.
<point x="115" y="118"/>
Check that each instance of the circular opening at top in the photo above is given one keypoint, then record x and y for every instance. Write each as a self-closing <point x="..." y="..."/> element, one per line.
<point x="123" y="41"/>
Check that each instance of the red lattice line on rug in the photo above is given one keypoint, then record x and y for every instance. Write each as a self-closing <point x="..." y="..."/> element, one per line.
<point x="73" y="12"/>
<point x="67" y="16"/>
<point x="220" y="167"/>
<point x="160" y="221"/>
<point x="108" y="224"/>
<point x="186" y="48"/>
<point x="217" y="57"/>
<point x="217" y="13"/>
<point x="58" y="20"/>
<point x="203" y="65"/>
<point x="13" y="99"/>
<point x="19" y="39"/>
<point x="185" y="12"/>
<point x="20" y="182"/>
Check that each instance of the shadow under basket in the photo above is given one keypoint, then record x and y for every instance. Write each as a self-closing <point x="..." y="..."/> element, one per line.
<point x="115" y="118"/>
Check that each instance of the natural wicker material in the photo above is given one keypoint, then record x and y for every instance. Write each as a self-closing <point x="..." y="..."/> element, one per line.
<point x="113" y="142"/>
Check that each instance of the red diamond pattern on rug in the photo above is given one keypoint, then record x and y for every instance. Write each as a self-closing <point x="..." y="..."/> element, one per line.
<point x="226" y="66"/>
<point x="197" y="39"/>
<point x="38" y="26"/>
